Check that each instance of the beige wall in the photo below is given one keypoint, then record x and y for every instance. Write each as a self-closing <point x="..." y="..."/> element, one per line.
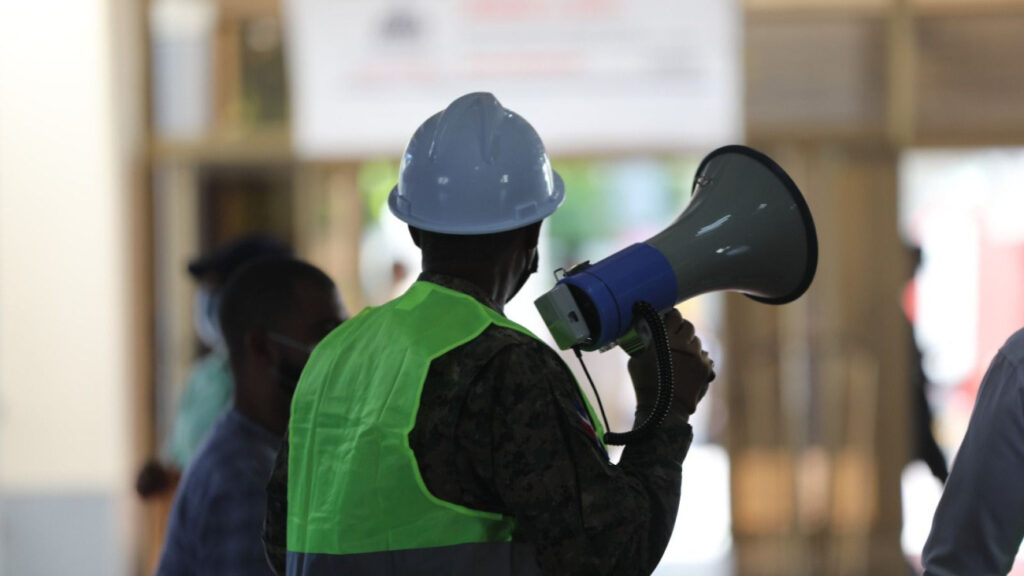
<point x="64" y="289"/>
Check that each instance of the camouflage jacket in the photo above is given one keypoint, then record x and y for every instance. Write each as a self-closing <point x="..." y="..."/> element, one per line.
<point x="502" y="428"/>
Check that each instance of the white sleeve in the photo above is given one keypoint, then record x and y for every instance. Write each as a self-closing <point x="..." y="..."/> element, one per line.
<point x="979" y="523"/>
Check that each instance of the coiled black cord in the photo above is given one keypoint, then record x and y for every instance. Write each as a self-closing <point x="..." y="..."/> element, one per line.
<point x="659" y="338"/>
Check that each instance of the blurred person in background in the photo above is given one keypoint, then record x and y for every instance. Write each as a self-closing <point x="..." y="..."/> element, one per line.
<point x="432" y="435"/>
<point x="273" y="313"/>
<point x="389" y="262"/>
<point x="208" y="388"/>
<point x="925" y="448"/>
<point x="979" y="522"/>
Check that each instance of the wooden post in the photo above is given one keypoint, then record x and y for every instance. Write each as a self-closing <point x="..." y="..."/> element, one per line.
<point x="818" y="389"/>
<point x="901" y="68"/>
<point x="329" y="225"/>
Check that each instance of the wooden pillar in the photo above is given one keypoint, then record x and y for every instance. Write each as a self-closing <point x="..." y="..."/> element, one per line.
<point x="818" y="388"/>
<point x="329" y="225"/>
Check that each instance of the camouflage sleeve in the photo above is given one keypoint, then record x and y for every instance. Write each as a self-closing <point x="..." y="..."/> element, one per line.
<point x="275" y="525"/>
<point x="584" y="514"/>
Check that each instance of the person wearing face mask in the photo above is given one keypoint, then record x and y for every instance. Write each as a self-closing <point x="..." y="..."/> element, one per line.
<point x="273" y="312"/>
<point x="433" y="435"/>
<point x="207" y="392"/>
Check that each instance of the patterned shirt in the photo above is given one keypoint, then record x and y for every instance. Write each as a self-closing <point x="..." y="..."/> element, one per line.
<point x="218" y="512"/>
<point x="502" y="427"/>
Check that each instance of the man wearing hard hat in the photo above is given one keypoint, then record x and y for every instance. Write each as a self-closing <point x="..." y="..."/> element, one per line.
<point x="432" y="435"/>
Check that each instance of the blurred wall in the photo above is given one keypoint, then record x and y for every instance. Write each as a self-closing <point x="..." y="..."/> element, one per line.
<point x="64" y="264"/>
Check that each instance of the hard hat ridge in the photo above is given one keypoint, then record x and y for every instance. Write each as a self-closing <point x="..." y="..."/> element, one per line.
<point x="478" y="109"/>
<point x="475" y="168"/>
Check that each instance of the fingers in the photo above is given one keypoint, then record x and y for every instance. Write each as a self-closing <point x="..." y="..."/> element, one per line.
<point x="683" y="338"/>
<point x="692" y="345"/>
<point x="693" y="367"/>
<point x="676" y="326"/>
<point x="699" y="356"/>
<point x="696" y="370"/>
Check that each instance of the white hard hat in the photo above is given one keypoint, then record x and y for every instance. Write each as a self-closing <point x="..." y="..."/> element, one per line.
<point x="475" y="168"/>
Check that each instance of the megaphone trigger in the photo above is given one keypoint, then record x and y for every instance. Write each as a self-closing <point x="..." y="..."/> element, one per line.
<point x="636" y="340"/>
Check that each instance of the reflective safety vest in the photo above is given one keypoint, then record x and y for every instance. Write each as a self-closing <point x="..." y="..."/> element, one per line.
<point x="356" y="501"/>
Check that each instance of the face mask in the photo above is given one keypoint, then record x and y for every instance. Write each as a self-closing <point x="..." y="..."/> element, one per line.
<point x="205" y="308"/>
<point x="288" y="374"/>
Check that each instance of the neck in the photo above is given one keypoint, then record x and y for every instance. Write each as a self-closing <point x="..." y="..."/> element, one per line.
<point x="265" y="413"/>
<point x="490" y="279"/>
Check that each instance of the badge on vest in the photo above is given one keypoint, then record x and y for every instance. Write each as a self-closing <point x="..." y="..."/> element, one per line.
<point x="587" y="424"/>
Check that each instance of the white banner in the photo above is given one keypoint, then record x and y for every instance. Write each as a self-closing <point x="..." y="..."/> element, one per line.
<point x="593" y="76"/>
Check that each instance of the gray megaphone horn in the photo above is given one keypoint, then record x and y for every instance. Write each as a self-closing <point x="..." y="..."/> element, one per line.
<point x="747" y="228"/>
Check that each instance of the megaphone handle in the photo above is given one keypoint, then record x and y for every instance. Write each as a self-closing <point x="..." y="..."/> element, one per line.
<point x="647" y="313"/>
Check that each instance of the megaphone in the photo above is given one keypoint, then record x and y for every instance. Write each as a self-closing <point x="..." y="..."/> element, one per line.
<point x="747" y="228"/>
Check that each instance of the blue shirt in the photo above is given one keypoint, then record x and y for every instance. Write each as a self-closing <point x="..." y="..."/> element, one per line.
<point x="979" y="523"/>
<point x="217" y="518"/>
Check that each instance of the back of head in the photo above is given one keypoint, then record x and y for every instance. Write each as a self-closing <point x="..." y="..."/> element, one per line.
<point x="478" y="251"/>
<point x="214" y="268"/>
<point x="219" y="264"/>
<point x="261" y="295"/>
<point x="476" y="168"/>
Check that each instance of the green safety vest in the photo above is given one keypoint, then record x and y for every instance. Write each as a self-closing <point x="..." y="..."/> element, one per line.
<point x="356" y="501"/>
